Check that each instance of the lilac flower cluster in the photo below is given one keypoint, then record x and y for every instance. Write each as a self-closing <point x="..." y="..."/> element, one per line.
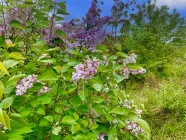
<point x="27" y="83"/>
<point x="1" y="30"/>
<point x="24" y="84"/>
<point x="19" y="14"/>
<point x="14" y="13"/>
<point x="93" y="18"/>
<point x="130" y="59"/>
<point x="49" y="33"/>
<point x="134" y="128"/>
<point x="44" y="90"/>
<point x="127" y="71"/>
<point x="127" y="104"/>
<point x="136" y="72"/>
<point x="90" y="38"/>
<point x="86" y="70"/>
<point x="138" y="112"/>
<point x="101" y="136"/>
<point x="90" y="32"/>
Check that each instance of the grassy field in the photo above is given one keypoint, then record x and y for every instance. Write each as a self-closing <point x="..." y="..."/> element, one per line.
<point x="164" y="101"/>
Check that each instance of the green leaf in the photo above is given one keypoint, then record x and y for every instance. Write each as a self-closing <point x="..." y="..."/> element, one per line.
<point x="16" y="24"/>
<point x="41" y="111"/>
<point x="118" y="46"/>
<point x="25" y="112"/>
<point x="106" y="69"/>
<point x="109" y="117"/>
<point x="85" y="123"/>
<point x="143" y="124"/>
<point x="48" y="76"/>
<point x="94" y="126"/>
<point x="112" y="57"/>
<point x="83" y="94"/>
<point x="16" y="55"/>
<point x="3" y="69"/>
<point x="7" y="102"/>
<point x="118" y="67"/>
<point x="45" y="99"/>
<point x="113" y="130"/>
<point x="75" y="128"/>
<point x="101" y="47"/>
<point x="17" y="117"/>
<point x="2" y="89"/>
<point x="58" y="18"/>
<point x="49" y="118"/>
<point x="119" y="111"/>
<point x="40" y="43"/>
<point x="44" y="123"/>
<point x="58" y="69"/>
<point x="73" y="62"/>
<point x="50" y="61"/>
<point x="62" y="12"/>
<point x="75" y="100"/>
<point x="3" y="136"/>
<point x="80" y="137"/>
<point x="56" y="130"/>
<point x="133" y="66"/>
<point x="76" y="116"/>
<point x="62" y="5"/>
<point x="4" y="119"/>
<point x="99" y="100"/>
<point x="53" y="49"/>
<point x="16" y="77"/>
<point x="122" y="54"/>
<point x="10" y="63"/>
<point x="60" y="33"/>
<point x="97" y="87"/>
<point x="75" y="52"/>
<point x="68" y="120"/>
<point x="118" y="78"/>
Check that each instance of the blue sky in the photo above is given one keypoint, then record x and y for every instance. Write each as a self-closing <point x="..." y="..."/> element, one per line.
<point x="78" y="8"/>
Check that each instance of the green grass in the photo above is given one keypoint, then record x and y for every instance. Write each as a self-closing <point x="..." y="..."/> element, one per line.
<point x="165" y="107"/>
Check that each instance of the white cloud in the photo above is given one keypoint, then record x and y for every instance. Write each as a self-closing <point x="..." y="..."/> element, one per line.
<point x="178" y="4"/>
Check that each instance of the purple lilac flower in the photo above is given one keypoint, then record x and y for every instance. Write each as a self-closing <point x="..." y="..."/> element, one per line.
<point x="101" y="136"/>
<point x="93" y="18"/>
<point x="134" y="128"/>
<point x="138" y="112"/>
<point x="90" y="32"/>
<point x="20" y="14"/>
<point x="127" y="104"/>
<point x="44" y="90"/>
<point x="27" y="83"/>
<point x="130" y="59"/>
<point x="127" y="71"/>
<point x="86" y="70"/>
<point x="24" y="84"/>
<point x="136" y="72"/>
<point x="1" y="30"/>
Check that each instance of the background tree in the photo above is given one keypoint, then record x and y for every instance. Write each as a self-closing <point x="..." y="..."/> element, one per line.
<point x="156" y="34"/>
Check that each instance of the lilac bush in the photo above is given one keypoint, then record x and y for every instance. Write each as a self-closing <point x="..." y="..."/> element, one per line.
<point x="66" y="99"/>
